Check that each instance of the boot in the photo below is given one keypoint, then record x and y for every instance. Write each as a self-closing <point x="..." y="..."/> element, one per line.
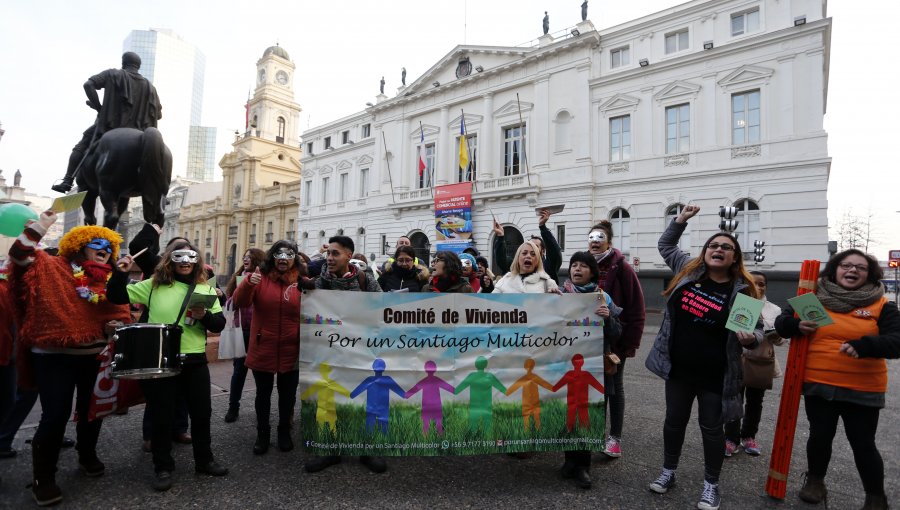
<point x="875" y="502"/>
<point x="65" y="185"/>
<point x="232" y="415"/>
<point x="814" y="490"/>
<point x="262" y="441"/>
<point x="285" y="442"/>
<point x="43" y="487"/>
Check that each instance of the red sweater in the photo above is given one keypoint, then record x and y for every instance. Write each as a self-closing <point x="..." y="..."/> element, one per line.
<point x="275" y="327"/>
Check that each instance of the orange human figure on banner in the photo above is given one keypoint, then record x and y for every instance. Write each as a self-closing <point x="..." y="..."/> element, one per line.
<point x="578" y="382"/>
<point x="531" y="398"/>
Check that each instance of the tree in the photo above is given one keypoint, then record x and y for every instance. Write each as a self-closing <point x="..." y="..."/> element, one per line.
<point x="855" y="231"/>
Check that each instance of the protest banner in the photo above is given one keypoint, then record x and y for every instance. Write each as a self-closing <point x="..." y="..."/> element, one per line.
<point x="414" y="374"/>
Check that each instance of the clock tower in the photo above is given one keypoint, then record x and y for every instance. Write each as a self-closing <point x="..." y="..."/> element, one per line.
<point x="273" y="115"/>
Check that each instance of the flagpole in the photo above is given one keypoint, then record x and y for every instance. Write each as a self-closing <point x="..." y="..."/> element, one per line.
<point x="388" y="163"/>
<point x="524" y="151"/>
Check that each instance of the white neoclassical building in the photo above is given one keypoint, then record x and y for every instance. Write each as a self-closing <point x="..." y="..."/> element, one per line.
<point x="715" y="103"/>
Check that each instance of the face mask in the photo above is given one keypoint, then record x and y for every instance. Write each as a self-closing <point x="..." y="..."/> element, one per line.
<point x="99" y="244"/>
<point x="597" y="237"/>
<point x="182" y="256"/>
<point x="362" y="266"/>
<point x="285" y="254"/>
<point x="466" y="263"/>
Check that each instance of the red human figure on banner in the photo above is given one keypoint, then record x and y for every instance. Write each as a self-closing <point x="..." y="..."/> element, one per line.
<point x="578" y="382"/>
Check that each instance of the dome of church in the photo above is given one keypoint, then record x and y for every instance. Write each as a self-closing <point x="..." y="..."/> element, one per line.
<point x="276" y="50"/>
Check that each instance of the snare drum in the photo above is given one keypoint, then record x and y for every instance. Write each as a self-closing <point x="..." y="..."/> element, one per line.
<point x="146" y="351"/>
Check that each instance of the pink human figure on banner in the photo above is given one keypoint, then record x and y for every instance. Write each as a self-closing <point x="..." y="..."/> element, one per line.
<point x="579" y="382"/>
<point x="431" y="386"/>
<point x="531" y="398"/>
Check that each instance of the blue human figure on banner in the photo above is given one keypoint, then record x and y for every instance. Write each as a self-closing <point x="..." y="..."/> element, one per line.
<point x="579" y="383"/>
<point x="378" y="396"/>
<point x="431" y="386"/>
<point x="481" y="402"/>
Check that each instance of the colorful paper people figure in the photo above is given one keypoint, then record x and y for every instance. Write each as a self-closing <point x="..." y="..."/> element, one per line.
<point x="326" y="411"/>
<point x="531" y="398"/>
<point x="378" y="396"/>
<point x="481" y="405"/>
<point x="578" y="382"/>
<point x="431" y="387"/>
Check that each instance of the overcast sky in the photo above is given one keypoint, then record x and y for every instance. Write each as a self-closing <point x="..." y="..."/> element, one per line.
<point x="342" y="48"/>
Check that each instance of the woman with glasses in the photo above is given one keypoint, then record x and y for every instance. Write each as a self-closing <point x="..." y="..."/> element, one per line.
<point x="698" y="358"/>
<point x="846" y="375"/>
<point x="178" y="275"/>
<point x="272" y="290"/>
<point x="620" y="281"/>
<point x="403" y="274"/>
<point x="252" y="259"/>
<point x="447" y="274"/>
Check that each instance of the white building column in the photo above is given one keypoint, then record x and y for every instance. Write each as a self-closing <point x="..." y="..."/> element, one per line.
<point x="486" y="161"/>
<point x="538" y="129"/>
<point x="580" y="134"/>
<point x="402" y="180"/>
<point x="782" y="112"/>
<point x="445" y="159"/>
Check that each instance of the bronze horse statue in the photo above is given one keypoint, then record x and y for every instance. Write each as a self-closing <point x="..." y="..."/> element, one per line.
<point x="125" y="163"/>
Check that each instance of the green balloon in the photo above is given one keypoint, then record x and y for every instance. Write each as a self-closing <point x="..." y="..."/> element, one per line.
<point x="13" y="217"/>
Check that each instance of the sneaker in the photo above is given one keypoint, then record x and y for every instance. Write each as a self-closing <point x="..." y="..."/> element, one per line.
<point x="163" y="481"/>
<point x="750" y="446"/>
<point x="731" y="448"/>
<point x="664" y="482"/>
<point x="46" y="492"/>
<point x="709" y="500"/>
<point x="211" y="468"/>
<point x="613" y="447"/>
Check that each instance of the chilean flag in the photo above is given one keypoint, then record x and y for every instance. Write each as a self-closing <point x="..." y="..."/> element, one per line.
<point x="421" y="151"/>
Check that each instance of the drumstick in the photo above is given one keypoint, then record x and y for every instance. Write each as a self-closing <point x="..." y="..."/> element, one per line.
<point x="136" y="255"/>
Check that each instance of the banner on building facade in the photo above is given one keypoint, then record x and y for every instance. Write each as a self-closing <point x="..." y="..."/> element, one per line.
<point x="400" y="374"/>
<point x="453" y="216"/>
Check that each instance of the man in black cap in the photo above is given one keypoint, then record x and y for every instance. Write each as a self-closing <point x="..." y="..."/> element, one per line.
<point x="129" y="100"/>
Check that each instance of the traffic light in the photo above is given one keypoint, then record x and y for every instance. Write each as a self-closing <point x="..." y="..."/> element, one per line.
<point x="728" y="223"/>
<point x="758" y="250"/>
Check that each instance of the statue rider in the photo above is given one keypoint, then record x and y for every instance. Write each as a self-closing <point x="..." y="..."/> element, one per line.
<point x="129" y="100"/>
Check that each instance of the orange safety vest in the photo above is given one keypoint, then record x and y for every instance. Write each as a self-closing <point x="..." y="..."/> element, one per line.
<point x="825" y="364"/>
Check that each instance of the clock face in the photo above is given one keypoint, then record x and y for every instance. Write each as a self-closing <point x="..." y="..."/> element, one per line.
<point x="262" y="76"/>
<point x="281" y="77"/>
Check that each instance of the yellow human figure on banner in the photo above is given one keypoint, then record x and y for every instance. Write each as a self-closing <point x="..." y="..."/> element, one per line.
<point x="531" y="398"/>
<point x="326" y="410"/>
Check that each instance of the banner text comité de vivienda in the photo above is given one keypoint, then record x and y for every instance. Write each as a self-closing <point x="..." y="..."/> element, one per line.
<point x="450" y="316"/>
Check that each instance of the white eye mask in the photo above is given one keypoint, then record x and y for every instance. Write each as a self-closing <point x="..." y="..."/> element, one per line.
<point x="597" y="236"/>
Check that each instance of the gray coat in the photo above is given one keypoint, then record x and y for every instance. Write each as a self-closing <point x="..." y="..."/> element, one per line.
<point x="659" y="360"/>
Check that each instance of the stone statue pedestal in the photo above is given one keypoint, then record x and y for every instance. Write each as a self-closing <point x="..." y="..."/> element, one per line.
<point x="380" y="97"/>
<point x="400" y="90"/>
<point x="545" y="40"/>
<point x="585" y="27"/>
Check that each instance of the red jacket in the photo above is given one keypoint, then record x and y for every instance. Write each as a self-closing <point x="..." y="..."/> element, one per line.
<point x="275" y="327"/>
<point x="624" y="288"/>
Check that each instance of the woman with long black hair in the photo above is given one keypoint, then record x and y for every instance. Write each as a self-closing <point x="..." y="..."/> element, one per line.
<point x="252" y="259"/>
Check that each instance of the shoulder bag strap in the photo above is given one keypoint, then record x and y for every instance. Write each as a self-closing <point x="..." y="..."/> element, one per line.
<point x="184" y="303"/>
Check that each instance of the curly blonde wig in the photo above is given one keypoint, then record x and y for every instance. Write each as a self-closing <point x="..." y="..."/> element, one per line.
<point x="75" y="239"/>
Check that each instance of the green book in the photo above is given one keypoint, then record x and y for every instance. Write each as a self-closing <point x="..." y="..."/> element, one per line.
<point x="744" y="314"/>
<point x="809" y="308"/>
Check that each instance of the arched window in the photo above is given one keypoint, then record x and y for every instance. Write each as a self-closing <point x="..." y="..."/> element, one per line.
<point x="672" y="212"/>
<point x="280" y="137"/>
<point x="512" y="239"/>
<point x="421" y="246"/>
<point x="562" y="130"/>
<point x="621" y="222"/>
<point x="748" y="224"/>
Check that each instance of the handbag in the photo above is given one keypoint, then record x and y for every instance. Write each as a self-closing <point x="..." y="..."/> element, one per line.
<point x="759" y="366"/>
<point x="231" y="339"/>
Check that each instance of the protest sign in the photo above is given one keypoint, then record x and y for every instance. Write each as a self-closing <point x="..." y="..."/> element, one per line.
<point x="450" y="374"/>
